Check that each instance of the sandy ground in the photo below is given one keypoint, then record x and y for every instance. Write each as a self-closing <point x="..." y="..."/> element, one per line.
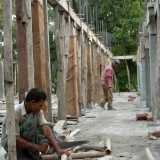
<point x="129" y="138"/>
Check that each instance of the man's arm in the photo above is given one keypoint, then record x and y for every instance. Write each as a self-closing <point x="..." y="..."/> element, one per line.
<point x="21" y="143"/>
<point x="48" y="133"/>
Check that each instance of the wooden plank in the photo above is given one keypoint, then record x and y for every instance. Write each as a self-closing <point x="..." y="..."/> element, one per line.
<point x="74" y="132"/>
<point x="124" y="57"/>
<point x="72" y="107"/>
<point x="8" y="70"/>
<point x="39" y="48"/>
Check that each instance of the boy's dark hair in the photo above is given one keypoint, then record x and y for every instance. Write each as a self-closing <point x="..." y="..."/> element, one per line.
<point x="35" y="94"/>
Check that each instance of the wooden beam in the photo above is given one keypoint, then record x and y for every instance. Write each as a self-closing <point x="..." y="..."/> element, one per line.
<point x="63" y="6"/>
<point x="124" y="57"/>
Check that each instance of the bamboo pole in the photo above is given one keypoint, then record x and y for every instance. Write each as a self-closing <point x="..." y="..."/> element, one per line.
<point x="91" y="147"/>
<point x="91" y="154"/>
<point x="64" y="157"/>
<point x="8" y="77"/>
<point x="79" y="155"/>
<point x="108" y="145"/>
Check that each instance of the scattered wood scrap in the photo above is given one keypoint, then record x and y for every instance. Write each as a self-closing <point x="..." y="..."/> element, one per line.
<point x="98" y="152"/>
<point x="59" y="126"/>
<point x="70" y="137"/>
<point x="74" y="132"/>
<point x="149" y="154"/>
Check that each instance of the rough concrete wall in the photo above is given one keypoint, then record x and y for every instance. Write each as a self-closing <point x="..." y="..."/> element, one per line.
<point x="2" y="94"/>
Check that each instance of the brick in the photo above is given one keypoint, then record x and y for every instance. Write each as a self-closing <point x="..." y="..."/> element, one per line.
<point x="155" y="134"/>
<point x="142" y="116"/>
<point x="150" y="118"/>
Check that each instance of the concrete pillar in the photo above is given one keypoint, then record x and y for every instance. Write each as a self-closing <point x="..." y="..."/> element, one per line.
<point x="158" y="64"/>
<point x="148" y="83"/>
<point x="2" y="93"/>
<point x="152" y="53"/>
<point x="143" y="74"/>
<point x="147" y="65"/>
<point x="138" y="76"/>
<point x="142" y="70"/>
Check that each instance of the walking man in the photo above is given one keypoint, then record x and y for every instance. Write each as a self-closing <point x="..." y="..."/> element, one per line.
<point x="107" y="84"/>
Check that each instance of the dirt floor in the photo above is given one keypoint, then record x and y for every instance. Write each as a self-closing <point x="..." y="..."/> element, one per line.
<point x="129" y="138"/>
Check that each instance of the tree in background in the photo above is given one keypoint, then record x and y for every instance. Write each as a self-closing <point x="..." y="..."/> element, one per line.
<point x="123" y="19"/>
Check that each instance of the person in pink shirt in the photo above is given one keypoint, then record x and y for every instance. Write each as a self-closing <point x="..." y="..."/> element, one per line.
<point x="107" y="84"/>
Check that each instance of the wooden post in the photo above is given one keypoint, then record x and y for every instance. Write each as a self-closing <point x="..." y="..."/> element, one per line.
<point x="29" y="43"/>
<point x="99" y="71"/>
<point x="72" y="75"/>
<point x="84" y="72"/>
<point x="59" y="34"/>
<point x="129" y="77"/>
<point x="79" y="68"/>
<point x="47" y="61"/>
<point x="72" y="80"/>
<point x="95" y="81"/>
<point x="8" y="77"/>
<point x="22" y="50"/>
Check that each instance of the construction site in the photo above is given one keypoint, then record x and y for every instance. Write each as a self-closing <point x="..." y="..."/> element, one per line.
<point x="131" y="130"/>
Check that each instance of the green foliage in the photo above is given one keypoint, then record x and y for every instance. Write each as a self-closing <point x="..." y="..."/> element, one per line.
<point x="122" y="19"/>
<point x="122" y="79"/>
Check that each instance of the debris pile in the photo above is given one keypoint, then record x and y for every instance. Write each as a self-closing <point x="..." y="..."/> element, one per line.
<point x="78" y="149"/>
